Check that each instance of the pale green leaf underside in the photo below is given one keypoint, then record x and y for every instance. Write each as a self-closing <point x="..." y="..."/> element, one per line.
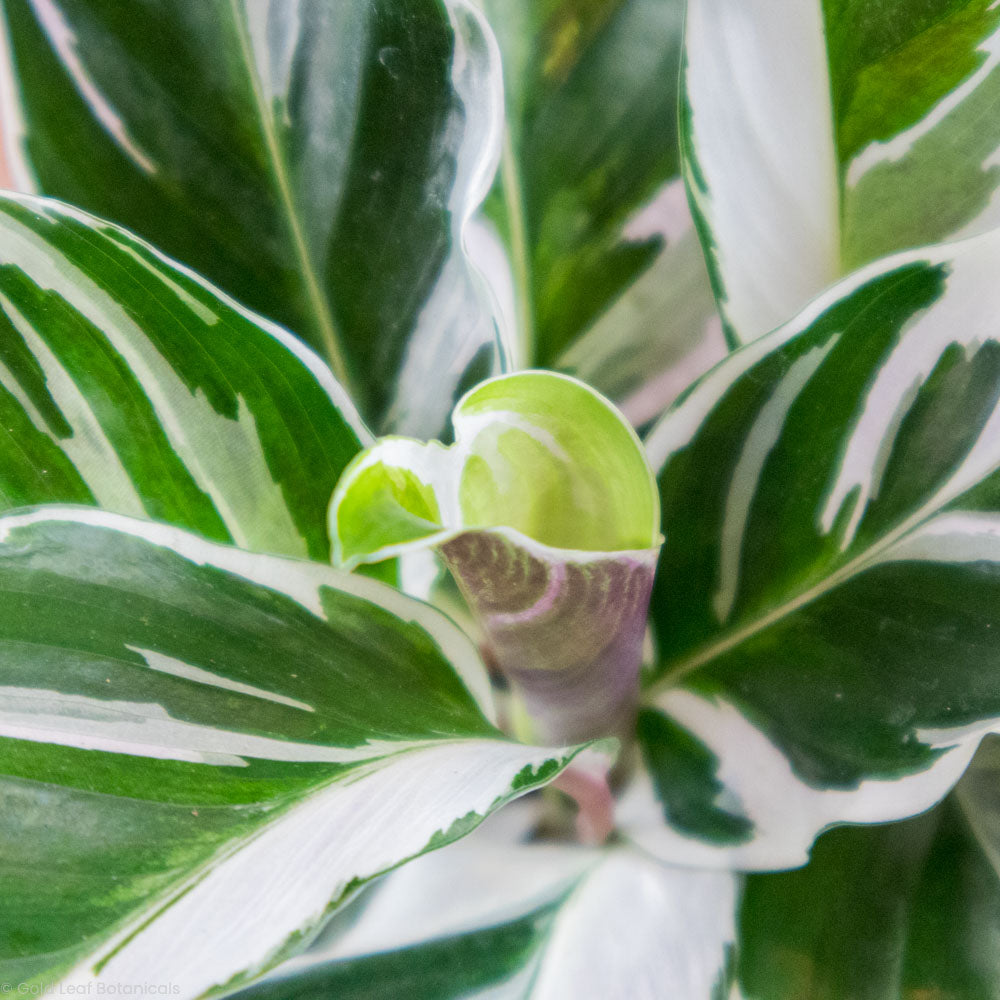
<point x="206" y="750"/>
<point x="129" y="383"/>
<point x="826" y="597"/>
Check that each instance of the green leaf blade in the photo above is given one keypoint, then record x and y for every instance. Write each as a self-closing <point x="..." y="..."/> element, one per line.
<point x="327" y="184"/>
<point x="127" y="382"/>
<point x="829" y="498"/>
<point x="187" y="716"/>
<point x="890" y="142"/>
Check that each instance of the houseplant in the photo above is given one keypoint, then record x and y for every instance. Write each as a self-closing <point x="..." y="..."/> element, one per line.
<point x="213" y="740"/>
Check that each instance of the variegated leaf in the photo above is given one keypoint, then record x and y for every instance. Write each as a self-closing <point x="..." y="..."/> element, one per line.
<point x="905" y="911"/>
<point x="204" y="751"/>
<point x="821" y="135"/>
<point x="610" y="282"/>
<point x="545" y="511"/>
<point x="826" y="598"/>
<point x="129" y="383"/>
<point x="318" y="160"/>
<point x="536" y="922"/>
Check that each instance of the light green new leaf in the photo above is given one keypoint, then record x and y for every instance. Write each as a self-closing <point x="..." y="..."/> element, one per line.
<point x="545" y="510"/>
<point x="906" y="911"/>
<point x="204" y="751"/>
<point x="317" y="160"/>
<point x="824" y="134"/>
<point x="129" y="383"/>
<point x="540" y="922"/>
<point x="610" y="283"/>
<point x="826" y="602"/>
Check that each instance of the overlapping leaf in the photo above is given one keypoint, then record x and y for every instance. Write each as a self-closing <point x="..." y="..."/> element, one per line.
<point x="128" y="383"/>
<point x="899" y="912"/>
<point x="826" y="598"/>
<point x="822" y="135"/>
<point x="317" y="160"/>
<point x="610" y="283"/>
<point x="204" y="751"/>
<point x="552" y="922"/>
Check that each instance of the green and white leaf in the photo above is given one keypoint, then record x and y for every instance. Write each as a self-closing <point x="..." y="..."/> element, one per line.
<point x="326" y="182"/>
<point x="545" y="511"/>
<point x="826" y="599"/>
<point x="664" y="331"/>
<point x="823" y="135"/>
<point x="899" y="912"/>
<point x="550" y="922"/>
<point x="129" y="383"/>
<point x="203" y="751"/>
<point x="610" y="281"/>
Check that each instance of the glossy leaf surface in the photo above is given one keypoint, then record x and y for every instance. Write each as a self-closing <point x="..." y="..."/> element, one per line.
<point x="825" y="603"/>
<point x="129" y="383"/>
<point x="317" y="160"/>
<point x="205" y="751"/>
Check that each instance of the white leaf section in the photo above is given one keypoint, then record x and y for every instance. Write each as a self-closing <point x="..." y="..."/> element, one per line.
<point x="88" y="448"/>
<point x="238" y="915"/>
<point x="761" y="165"/>
<point x="142" y="729"/>
<point x="500" y="880"/>
<point x="13" y="131"/>
<point x="787" y="813"/>
<point x="634" y="928"/>
<point x="957" y="318"/>
<point x="176" y="668"/>
<point x="624" y="925"/>
<point x="759" y="443"/>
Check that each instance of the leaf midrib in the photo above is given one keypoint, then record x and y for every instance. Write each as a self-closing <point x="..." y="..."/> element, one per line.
<point x="687" y="665"/>
<point x="318" y="300"/>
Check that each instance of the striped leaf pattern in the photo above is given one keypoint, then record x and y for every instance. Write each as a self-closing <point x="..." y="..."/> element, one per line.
<point x="128" y="383"/>
<point x="553" y="922"/>
<point x="825" y="604"/>
<point x="907" y="910"/>
<point x="204" y="751"/>
<point x="319" y="161"/>
<point x="822" y="135"/>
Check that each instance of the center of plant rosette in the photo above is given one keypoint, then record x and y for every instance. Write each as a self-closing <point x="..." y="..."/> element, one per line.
<point x="547" y="514"/>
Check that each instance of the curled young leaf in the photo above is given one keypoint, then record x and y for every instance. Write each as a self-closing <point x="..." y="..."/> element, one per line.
<point x="546" y="512"/>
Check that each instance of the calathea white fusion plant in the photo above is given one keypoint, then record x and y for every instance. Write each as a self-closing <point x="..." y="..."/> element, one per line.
<point x="321" y="541"/>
